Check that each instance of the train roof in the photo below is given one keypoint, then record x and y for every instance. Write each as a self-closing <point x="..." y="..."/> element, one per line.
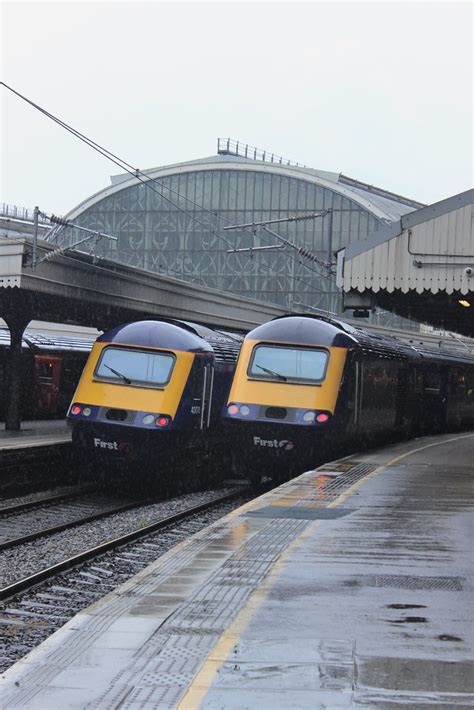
<point x="303" y="330"/>
<point x="176" y="335"/>
<point x="36" y="341"/>
<point x="309" y="329"/>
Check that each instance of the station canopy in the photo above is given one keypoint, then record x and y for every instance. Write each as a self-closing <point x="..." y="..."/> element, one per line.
<point x="420" y="267"/>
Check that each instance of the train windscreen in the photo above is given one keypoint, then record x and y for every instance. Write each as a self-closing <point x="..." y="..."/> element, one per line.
<point x="142" y="368"/>
<point x="288" y="364"/>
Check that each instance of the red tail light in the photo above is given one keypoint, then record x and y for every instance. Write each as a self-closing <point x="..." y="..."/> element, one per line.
<point x="75" y="409"/>
<point x="232" y="409"/>
<point x="162" y="421"/>
<point x="322" y="417"/>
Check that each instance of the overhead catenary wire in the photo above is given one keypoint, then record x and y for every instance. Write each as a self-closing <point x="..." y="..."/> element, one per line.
<point x="122" y="164"/>
<point x="149" y="182"/>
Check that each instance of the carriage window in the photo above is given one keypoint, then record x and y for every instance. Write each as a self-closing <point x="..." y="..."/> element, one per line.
<point x="281" y="363"/>
<point x="45" y="373"/>
<point x="142" y="368"/>
<point x="432" y="382"/>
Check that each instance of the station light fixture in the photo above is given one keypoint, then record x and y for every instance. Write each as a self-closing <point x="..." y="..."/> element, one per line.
<point x="463" y="302"/>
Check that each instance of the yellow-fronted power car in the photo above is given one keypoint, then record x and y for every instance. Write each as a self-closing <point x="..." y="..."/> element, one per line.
<point x="153" y="390"/>
<point x="308" y="388"/>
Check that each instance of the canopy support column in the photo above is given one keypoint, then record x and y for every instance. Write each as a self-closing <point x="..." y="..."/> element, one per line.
<point x="17" y="325"/>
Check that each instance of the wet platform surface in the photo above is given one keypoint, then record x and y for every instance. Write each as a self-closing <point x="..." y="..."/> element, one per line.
<point x="35" y="433"/>
<point x="348" y="587"/>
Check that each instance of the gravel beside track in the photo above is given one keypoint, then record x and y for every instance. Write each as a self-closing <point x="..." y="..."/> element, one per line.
<point x="29" y="618"/>
<point x="23" y="560"/>
<point x="17" y="526"/>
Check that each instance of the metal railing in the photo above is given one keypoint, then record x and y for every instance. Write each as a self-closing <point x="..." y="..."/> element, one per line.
<point x="229" y="146"/>
<point x="22" y="213"/>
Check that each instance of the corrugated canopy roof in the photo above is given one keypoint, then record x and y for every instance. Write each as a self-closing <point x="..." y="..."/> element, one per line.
<point x="421" y="266"/>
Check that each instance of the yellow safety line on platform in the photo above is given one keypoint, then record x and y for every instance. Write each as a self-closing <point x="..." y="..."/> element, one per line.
<point x="357" y="485"/>
<point x="202" y="681"/>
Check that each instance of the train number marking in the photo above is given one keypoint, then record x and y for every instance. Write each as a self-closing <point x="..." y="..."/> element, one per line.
<point x="274" y="443"/>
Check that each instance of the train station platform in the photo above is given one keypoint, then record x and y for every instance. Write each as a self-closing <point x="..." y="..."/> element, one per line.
<point x="347" y="587"/>
<point x="35" y="433"/>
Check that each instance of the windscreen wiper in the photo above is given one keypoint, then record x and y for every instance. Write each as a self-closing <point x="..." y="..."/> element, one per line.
<point x="119" y="374"/>
<point x="272" y="372"/>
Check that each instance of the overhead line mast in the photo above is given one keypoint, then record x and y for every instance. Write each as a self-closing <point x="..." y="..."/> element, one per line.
<point x="302" y="251"/>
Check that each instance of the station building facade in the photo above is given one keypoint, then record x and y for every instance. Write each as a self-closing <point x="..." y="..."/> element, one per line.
<point x="174" y="224"/>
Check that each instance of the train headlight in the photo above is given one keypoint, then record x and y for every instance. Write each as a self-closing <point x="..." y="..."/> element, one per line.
<point x="75" y="409"/>
<point x="309" y="416"/>
<point x="244" y="410"/>
<point x="87" y="411"/>
<point x="148" y="419"/>
<point x="232" y="409"/>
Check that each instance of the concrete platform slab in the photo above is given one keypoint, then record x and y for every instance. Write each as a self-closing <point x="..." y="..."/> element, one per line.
<point x="273" y="608"/>
<point x="35" y="433"/>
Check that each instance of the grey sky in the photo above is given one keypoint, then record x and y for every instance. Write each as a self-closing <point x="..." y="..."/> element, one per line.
<point x="379" y="91"/>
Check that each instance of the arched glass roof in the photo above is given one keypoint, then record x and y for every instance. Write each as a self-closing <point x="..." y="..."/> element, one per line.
<point x="175" y="225"/>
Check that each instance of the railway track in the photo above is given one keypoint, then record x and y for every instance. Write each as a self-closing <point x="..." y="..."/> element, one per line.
<point x="35" y="606"/>
<point x="25" y="522"/>
<point x="42" y="498"/>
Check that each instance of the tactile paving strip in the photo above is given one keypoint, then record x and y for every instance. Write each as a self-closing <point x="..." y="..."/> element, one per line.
<point x="214" y="605"/>
<point x="170" y="659"/>
<point x="319" y="493"/>
<point x="159" y="698"/>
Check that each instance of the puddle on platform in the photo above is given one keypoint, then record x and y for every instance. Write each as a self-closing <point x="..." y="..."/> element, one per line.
<point x="410" y="620"/>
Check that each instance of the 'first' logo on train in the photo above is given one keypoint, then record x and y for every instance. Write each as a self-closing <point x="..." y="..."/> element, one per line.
<point x="113" y="445"/>
<point x="273" y="443"/>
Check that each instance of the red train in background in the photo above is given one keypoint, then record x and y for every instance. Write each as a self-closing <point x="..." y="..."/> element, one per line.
<point x="51" y="367"/>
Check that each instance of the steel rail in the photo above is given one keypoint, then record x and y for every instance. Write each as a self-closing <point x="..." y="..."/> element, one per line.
<point x="29" y="582"/>
<point x="16" y="542"/>
<point x="27" y="505"/>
